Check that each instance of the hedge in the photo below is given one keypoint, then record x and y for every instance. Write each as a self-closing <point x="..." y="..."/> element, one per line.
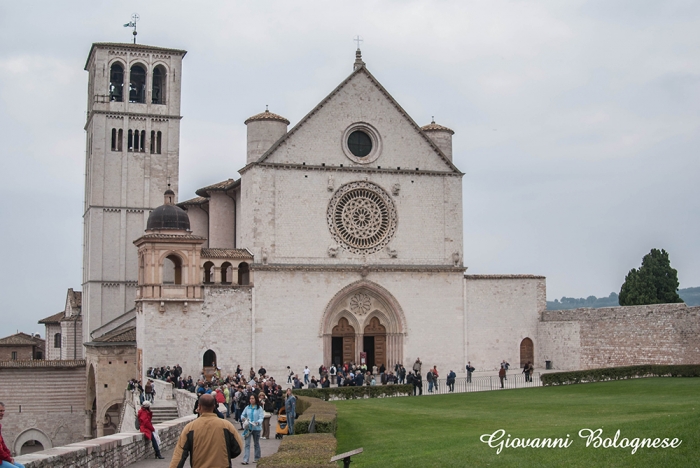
<point x="307" y="450"/>
<point x="326" y="415"/>
<point x="352" y="393"/>
<point x="619" y="373"/>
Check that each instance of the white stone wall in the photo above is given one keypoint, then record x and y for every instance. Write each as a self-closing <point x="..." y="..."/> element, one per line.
<point x="289" y="307"/>
<point x="560" y="343"/>
<point x="199" y="222"/>
<point x="221" y="323"/>
<point x="284" y="212"/>
<point x="51" y="353"/>
<point x="221" y="221"/>
<point x="501" y="312"/>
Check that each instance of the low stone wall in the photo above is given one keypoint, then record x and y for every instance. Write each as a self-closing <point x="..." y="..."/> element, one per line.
<point x="114" y="451"/>
<point x="185" y="402"/>
<point x="621" y="336"/>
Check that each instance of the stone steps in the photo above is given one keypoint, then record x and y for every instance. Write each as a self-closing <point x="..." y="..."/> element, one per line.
<point x="163" y="413"/>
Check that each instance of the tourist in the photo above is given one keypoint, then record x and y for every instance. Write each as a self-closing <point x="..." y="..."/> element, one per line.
<point x="333" y="373"/>
<point x="253" y="416"/>
<point x="527" y="370"/>
<point x="290" y="407"/>
<point x="429" y="377"/>
<point x="502" y="375"/>
<point x="306" y="375"/>
<point x="451" y="380"/>
<point x="435" y="377"/>
<point x="505" y="365"/>
<point x="470" y="369"/>
<point x="208" y="440"/>
<point x="150" y="391"/>
<point x="146" y="426"/>
<point x="290" y="374"/>
<point x="6" y="460"/>
<point x="417" y="366"/>
<point x="262" y="371"/>
<point x="419" y="382"/>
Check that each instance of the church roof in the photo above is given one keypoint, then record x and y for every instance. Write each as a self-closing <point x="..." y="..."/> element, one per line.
<point x="21" y="339"/>
<point x="194" y="201"/>
<point x="433" y="127"/>
<point x="227" y="253"/>
<point x="126" y="335"/>
<point x="53" y="319"/>
<point x="227" y="184"/>
<point x="267" y="115"/>
<point x="359" y="68"/>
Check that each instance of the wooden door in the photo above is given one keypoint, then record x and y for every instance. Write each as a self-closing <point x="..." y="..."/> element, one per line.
<point x="527" y="352"/>
<point x="347" y="332"/>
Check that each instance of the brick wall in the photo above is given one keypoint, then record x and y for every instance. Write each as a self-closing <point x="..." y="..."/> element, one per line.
<point x="23" y="352"/>
<point x="115" y="451"/>
<point x="623" y="336"/>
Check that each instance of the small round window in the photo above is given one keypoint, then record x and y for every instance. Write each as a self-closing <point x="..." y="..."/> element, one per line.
<point x="359" y="143"/>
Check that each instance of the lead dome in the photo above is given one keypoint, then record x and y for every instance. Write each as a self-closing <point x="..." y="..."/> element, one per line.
<point x="168" y="216"/>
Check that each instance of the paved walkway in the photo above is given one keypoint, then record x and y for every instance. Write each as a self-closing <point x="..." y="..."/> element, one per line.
<point x="268" y="447"/>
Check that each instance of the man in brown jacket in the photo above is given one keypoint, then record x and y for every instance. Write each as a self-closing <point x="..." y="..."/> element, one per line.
<point x="209" y="441"/>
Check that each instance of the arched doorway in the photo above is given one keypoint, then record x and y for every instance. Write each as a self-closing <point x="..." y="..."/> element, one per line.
<point x="343" y="342"/>
<point x="374" y="342"/>
<point x="527" y="352"/>
<point x="360" y="303"/>
<point x="30" y="441"/>
<point x="209" y="364"/>
<point x="111" y="419"/>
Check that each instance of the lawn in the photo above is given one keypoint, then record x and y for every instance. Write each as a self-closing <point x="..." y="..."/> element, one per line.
<point x="445" y="430"/>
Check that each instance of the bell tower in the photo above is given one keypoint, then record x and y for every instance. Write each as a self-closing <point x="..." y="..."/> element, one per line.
<point x="133" y="151"/>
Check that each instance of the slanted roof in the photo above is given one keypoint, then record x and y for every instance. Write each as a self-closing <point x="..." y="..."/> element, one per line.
<point x="433" y="127"/>
<point x="267" y="115"/>
<point x="360" y="69"/>
<point x="53" y="319"/>
<point x="193" y="202"/>
<point x="227" y="253"/>
<point x="126" y="335"/>
<point x="218" y="187"/>
<point x="21" y="339"/>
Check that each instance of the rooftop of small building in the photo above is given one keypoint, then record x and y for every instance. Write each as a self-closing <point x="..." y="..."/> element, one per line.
<point x="433" y="127"/>
<point x="22" y="339"/>
<point x="53" y="319"/>
<point x="223" y="186"/>
<point x="227" y="253"/>
<point x="126" y="335"/>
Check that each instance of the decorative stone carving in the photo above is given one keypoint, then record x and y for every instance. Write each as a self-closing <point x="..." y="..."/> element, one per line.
<point x="264" y="256"/>
<point x="333" y="251"/>
<point x="395" y="189"/>
<point x="362" y="217"/>
<point x="392" y="252"/>
<point x="331" y="183"/>
<point x="456" y="257"/>
<point x="360" y="303"/>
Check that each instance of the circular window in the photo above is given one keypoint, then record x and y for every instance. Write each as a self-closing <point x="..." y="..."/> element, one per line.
<point x="361" y="143"/>
<point x="362" y="217"/>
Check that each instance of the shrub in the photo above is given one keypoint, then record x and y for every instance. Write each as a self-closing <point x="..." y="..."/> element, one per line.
<point x="307" y="450"/>
<point x="620" y="373"/>
<point x="352" y="393"/>
<point x="326" y="415"/>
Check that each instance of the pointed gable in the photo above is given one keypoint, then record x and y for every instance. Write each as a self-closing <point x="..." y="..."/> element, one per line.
<point x="360" y="99"/>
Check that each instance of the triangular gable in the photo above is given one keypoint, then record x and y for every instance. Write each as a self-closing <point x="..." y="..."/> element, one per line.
<point x="267" y="156"/>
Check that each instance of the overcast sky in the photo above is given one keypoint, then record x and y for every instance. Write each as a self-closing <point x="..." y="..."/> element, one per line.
<point x="576" y="123"/>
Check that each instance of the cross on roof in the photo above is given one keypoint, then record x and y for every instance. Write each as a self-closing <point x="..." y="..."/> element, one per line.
<point x="358" y="39"/>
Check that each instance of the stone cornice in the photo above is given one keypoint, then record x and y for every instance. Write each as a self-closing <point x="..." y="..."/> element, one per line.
<point x="492" y="277"/>
<point x="362" y="269"/>
<point x="360" y="169"/>
<point x="42" y="363"/>
<point x="129" y="114"/>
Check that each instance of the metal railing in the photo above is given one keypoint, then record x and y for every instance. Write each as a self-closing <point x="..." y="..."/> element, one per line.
<point x="482" y="384"/>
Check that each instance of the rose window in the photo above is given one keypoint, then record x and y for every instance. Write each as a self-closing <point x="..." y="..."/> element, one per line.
<point x="362" y="217"/>
<point x="360" y="303"/>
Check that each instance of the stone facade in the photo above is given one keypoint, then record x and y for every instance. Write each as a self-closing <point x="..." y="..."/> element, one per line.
<point x="622" y="336"/>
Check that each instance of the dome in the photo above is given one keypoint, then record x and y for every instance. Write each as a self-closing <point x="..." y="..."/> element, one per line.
<point x="267" y="115"/>
<point x="168" y="216"/>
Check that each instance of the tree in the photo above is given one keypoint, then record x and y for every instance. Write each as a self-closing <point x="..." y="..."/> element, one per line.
<point x="655" y="282"/>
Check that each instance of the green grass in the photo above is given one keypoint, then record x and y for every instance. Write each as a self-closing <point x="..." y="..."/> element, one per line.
<point x="445" y="430"/>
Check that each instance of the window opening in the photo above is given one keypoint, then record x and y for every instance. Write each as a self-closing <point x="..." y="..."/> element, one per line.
<point x="120" y="138"/>
<point x="137" y="84"/>
<point x="116" y="82"/>
<point x="172" y="270"/>
<point x="114" y="139"/>
<point x="153" y="141"/>
<point x="57" y="340"/>
<point x="208" y="273"/>
<point x="158" y="90"/>
<point x="130" y="143"/>
<point x="226" y="273"/>
<point x="160" y="135"/>
<point x="243" y="274"/>
<point x="359" y="143"/>
<point x="142" y="145"/>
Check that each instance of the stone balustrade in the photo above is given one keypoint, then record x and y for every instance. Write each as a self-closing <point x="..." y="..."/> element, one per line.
<point x="113" y="451"/>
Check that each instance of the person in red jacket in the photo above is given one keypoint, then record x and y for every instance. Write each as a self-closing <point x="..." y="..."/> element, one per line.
<point x="146" y="426"/>
<point x="6" y="460"/>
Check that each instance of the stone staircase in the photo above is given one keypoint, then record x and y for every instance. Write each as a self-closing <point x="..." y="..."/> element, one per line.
<point x="162" y="413"/>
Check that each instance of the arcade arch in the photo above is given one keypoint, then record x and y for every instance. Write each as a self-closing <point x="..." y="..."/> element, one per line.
<point x="363" y="317"/>
<point x="31" y="440"/>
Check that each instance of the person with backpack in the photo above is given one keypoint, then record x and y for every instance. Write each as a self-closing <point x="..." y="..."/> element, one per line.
<point x="451" y="380"/>
<point x="470" y="369"/>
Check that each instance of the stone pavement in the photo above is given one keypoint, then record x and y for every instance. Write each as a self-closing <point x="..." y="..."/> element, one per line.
<point x="268" y="447"/>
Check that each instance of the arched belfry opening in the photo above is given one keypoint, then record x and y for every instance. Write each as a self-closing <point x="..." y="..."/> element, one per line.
<point x="527" y="352"/>
<point x="363" y="317"/>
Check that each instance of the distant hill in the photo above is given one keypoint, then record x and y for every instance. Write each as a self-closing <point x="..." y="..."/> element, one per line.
<point x="691" y="296"/>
